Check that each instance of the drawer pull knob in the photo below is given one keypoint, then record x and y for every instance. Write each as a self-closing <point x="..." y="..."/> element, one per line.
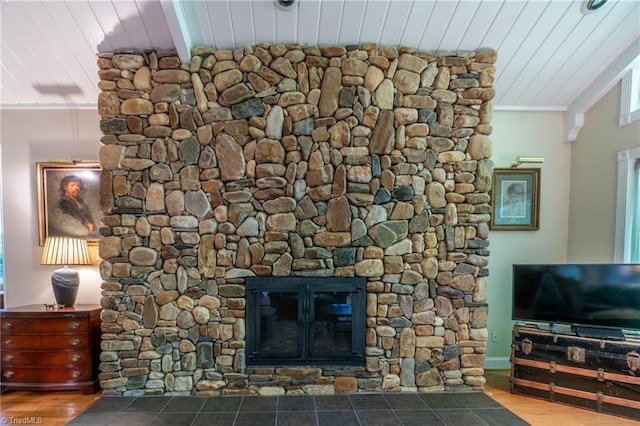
<point x="7" y="341"/>
<point x="75" y="357"/>
<point x="8" y="374"/>
<point x="74" y="342"/>
<point x="75" y="374"/>
<point x="7" y="358"/>
<point x="7" y="325"/>
<point x="74" y="325"/>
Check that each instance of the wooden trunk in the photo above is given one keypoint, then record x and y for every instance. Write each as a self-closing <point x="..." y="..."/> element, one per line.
<point x="597" y="374"/>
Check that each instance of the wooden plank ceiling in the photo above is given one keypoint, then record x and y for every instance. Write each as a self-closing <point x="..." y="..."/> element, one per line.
<point x="549" y="51"/>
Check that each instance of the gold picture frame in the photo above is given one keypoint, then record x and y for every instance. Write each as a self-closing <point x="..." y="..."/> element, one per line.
<point x="515" y="200"/>
<point x="68" y="200"/>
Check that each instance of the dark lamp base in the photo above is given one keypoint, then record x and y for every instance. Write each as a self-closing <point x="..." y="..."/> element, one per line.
<point x="65" y="284"/>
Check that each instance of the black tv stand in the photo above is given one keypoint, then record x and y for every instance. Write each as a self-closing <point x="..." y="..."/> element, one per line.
<point x="598" y="332"/>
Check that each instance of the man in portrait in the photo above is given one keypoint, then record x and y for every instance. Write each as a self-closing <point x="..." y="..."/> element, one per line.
<point x="71" y="216"/>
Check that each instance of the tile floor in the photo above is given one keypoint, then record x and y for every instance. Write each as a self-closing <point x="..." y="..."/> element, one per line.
<point x="464" y="408"/>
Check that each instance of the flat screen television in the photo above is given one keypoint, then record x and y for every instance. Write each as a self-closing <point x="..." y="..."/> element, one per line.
<point x="604" y="297"/>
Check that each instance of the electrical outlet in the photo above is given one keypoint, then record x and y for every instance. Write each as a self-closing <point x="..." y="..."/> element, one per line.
<point x="495" y="336"/>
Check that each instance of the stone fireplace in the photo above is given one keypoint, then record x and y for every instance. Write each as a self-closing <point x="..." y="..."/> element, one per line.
<point x="365" y="163"/>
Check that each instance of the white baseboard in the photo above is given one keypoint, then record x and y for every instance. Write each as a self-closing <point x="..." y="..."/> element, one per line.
<point x="497" y="363"/>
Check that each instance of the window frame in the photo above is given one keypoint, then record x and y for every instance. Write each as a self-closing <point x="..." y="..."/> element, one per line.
<point x="622" y="244"/>
<point x="630" y="96"/>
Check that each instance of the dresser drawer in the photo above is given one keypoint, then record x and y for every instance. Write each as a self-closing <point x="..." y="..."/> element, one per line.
<point x="47" y="350"/>
<point x="63" y="341"/>
<point x="43" y="325"/>
<point x="31" y="358"/>
<point x="46" y="375"/>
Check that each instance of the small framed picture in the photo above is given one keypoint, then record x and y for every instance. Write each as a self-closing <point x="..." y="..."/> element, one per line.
<point x="515" y="200"/>
<point x="68" y="200"/>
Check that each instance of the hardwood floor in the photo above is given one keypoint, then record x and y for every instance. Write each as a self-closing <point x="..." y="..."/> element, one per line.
<point x="58" y="408"/>
<point x="538" y="412"/>
<point x="46" y="408"/>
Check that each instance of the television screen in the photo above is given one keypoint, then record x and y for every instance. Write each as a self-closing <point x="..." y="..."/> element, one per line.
<point x="602" y="295"/>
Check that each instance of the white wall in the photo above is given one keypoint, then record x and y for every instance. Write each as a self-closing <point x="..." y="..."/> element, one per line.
<point x="533" y="134"/>
<point x="27" y="137"/>
<point x="594" y="174"/>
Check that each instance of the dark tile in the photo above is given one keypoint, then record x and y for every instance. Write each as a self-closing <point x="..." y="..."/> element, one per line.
<point x="405" y="401"/>
<point x="459" y="416"/>
<point x="147" y="404"/>
<point x="296" y="418"/>
<point x="499" y="417"/>
<point x="222" y="403"/>
<point x="476" y="400"/>
<point x="133" y="419"/>
<point x="337" y="418"/>
<point x="255" y="419"/>
<point x="185" y="404"/>
<point x="369" y="402"/>
<point x="395" y="409"/>
<point x="332" y="403"/>
<point x="259" y="403"/>
<point x="440" y="400"/>
<point x="214" y="419"/>
<point x="296" y="403"/>
<point x="418" y="417"/>
<point x="110" y="404"/>
<point x="88" y="419"/>
<point x="378" y="418"/>
<point x="174" y="419"/>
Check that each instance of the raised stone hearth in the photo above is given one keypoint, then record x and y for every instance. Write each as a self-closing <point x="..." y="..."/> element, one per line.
<point x="293" y="161"/>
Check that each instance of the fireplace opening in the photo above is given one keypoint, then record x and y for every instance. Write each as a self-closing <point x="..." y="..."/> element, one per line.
<point x="305" y="321"/>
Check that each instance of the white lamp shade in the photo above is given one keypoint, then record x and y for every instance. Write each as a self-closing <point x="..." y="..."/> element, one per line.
<point x="65" y="251"/>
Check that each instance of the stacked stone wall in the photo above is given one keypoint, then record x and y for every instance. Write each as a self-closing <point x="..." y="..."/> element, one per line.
<point x="286" y="160"/>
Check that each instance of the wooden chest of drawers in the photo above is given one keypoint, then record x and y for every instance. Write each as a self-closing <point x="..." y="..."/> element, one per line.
<point x="50" y="350"/>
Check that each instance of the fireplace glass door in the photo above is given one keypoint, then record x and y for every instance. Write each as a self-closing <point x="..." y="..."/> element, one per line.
<point x="305" y="321"/>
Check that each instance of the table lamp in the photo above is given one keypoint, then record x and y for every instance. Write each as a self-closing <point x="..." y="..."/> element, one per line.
<point x="65" y="251"/>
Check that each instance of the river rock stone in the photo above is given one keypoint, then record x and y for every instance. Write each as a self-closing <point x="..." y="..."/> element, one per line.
<point x="269" y="151"/>
<point x="383" y="135"/>
<point x="338" y="215"/>
<point x="387" y="233"/>
<point x="142" y="256"/>
<point x="233" y="167"/>
<point x="330" y="92"/>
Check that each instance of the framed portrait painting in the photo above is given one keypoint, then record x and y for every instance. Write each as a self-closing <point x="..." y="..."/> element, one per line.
<point x="68" y="200"/>
<point x="515" y="200"/>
